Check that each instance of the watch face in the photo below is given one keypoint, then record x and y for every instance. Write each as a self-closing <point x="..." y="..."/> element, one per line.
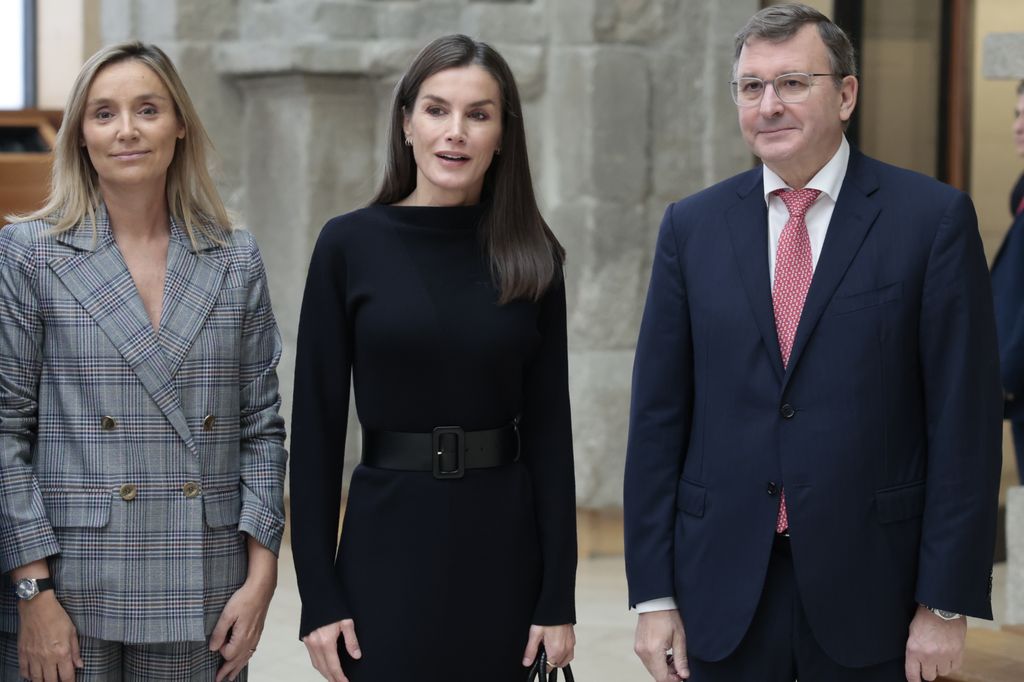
<point x="26" y="588"/>
<point x="947" y="615"/>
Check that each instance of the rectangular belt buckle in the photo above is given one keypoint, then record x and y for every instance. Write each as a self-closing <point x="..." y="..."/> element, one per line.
<point x="438" y="451"/>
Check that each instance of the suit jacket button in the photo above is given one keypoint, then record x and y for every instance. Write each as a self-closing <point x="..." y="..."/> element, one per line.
<point x="208" y="422"/>
<point x="191" y="489"/>
<point x="108" y="423"/>
<point x="128" y="492"/>
<point x="772" y="488"/>
<point x="787" y="411"/>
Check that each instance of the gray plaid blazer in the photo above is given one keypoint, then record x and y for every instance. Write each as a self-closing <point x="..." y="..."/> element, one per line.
<point x="135" y="460"/>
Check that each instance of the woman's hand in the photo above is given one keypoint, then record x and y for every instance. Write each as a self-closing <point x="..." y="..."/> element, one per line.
<point x="322" y="646"/>
<point x="559" y="643"/>
<point x="47" y="640"/>
<point x="240" y="624"/>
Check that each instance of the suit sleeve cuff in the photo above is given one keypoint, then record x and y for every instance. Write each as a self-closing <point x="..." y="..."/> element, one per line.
<point x="263" y="525"/>
<point x="661" y="604"/>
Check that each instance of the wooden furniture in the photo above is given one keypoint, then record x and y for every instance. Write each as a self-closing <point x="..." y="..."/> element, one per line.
<point x="25" y="176"/>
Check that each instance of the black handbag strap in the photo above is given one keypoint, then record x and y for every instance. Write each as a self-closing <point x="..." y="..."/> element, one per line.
<point x="540" y="665"/>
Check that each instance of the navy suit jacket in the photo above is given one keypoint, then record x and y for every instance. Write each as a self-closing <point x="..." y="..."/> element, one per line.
<point x="1008" y="290"/>
<point x="884" y="428"/>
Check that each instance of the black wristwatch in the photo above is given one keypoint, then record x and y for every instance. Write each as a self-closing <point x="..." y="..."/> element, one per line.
<point x="29" y="588"/>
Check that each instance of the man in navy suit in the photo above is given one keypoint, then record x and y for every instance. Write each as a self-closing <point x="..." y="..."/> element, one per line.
<point x="814" y="448"/>
<point x="1008" y="290"/>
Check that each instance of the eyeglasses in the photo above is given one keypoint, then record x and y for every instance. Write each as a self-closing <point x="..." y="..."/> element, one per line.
<point x="791" y="88"/>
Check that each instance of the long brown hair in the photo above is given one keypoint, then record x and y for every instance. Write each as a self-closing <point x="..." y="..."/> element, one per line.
<point x="525" y="256"/>
<point x="74" y="187"/>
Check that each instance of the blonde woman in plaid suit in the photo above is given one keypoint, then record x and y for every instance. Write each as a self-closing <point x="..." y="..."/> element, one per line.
<point x="141" y="450"/>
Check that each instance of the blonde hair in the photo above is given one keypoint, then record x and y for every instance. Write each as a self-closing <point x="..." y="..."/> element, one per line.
<point x="74" y="195"/>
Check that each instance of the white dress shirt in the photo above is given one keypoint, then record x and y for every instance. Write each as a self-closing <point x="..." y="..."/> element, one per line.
<point x="829" y="180"/>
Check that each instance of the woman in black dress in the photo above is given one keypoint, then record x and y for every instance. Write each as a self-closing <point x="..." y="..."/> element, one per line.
<point x="444" y="301"/>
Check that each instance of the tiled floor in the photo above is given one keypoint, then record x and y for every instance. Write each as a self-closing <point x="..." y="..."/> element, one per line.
<point x="604" y="650"/>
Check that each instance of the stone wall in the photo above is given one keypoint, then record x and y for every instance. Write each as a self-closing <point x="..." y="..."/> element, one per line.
<point x="1003" y="55"/>
<point x="626" y="110"/>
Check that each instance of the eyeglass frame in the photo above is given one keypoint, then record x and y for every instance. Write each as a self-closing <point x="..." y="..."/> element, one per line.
<point x="764" y="85"/>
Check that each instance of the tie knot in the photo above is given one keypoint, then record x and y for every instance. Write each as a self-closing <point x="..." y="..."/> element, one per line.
<point x="797" y="201"/>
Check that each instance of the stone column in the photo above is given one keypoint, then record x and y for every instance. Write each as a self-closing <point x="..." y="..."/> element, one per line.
<point x="307" y="155"/>
<point x="308" y="139"/>
<point x="639" y="115"/>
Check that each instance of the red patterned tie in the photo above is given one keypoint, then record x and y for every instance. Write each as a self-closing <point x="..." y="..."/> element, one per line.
<point x="1020" y="207"/>
<point x="794" y="267"/>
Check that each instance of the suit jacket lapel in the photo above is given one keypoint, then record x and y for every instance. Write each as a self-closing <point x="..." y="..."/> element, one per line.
<point x="747" y="221"/>
<point x="192" y="284"/>
<point x="98" y="278"/>
<point x="854" y="214"/>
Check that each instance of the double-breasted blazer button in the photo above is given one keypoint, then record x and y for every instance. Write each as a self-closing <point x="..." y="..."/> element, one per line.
<point x="772" y="488"/>
<point x="108" y="423"/>
<point x="128" y="492"/>
<point x="787" y="411"/>
<point x="191" y="489"/>
<point x="208" y="422"/>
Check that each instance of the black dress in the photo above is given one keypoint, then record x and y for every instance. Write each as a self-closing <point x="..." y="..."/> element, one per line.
<point x="442" y="577"/>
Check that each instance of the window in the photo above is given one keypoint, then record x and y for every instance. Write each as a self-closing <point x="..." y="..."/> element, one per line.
<point x="17" y="54"/>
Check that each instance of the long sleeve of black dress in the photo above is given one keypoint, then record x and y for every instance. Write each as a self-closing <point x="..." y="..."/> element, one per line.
<point x="319" y="421"/>
<point x="401" y="299"/>
<point x="547" y="445"/>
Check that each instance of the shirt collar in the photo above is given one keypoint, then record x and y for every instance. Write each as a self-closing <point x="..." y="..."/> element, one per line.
<point x="829" y="180"/>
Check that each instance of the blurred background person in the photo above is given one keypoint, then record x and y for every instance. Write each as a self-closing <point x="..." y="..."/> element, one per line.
<point x="141" y="449"/>
<point x="1008" y="290"/>
<point x="444" y="300"/>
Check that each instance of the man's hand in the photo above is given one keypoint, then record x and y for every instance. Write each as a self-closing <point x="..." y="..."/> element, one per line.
<point x="935" y="646"/>
<point x="47" y="640"/>
<point x="658" y="633"/>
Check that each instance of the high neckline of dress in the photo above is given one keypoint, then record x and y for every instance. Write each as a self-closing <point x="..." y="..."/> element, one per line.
<point x="437" y="217"/>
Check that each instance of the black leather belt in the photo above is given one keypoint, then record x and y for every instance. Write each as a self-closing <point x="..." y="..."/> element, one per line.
<point x="447" y="451"/>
